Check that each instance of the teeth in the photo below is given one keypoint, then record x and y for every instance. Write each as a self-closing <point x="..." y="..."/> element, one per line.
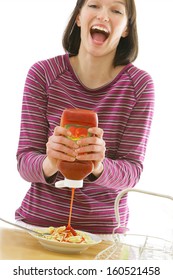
<point x="100" y="28"/>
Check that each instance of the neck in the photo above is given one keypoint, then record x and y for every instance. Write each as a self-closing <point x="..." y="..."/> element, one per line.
<point x="92" y="71"/>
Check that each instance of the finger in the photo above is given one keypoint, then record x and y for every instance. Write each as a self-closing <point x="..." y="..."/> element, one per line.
<point x="57" y="147"/>
<point x="96" y="131"/>
<point x="58" y="151"/>
<point x="60" y="139"/>
<point x="59" y="130"/>
<point x="91" y="156"/>
<point x="90" y="149"/>
<point x="91" y="141"/>
<point x="60" y="156"/>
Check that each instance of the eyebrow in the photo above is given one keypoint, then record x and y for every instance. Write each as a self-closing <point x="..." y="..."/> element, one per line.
<point x="119" y="2"/>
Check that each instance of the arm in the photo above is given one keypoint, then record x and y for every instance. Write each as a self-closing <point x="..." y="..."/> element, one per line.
<point x="39" y="148"/>
<point x="34" y="127"/>
<point x="125" y="170"/>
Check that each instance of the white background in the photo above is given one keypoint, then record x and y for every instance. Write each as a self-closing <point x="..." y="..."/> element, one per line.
<point x="31" y="30"/>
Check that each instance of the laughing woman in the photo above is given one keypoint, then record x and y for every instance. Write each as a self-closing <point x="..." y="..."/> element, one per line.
<point x="97" y="73"/>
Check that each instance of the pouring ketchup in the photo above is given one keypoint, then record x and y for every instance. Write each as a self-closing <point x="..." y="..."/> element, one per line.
<point x="77" y="121"/>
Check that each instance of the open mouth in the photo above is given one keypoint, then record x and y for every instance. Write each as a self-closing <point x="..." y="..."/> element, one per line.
<point x="99" y="34"/>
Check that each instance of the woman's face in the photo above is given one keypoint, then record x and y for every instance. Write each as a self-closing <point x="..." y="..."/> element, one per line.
<point x="102" y="23"/>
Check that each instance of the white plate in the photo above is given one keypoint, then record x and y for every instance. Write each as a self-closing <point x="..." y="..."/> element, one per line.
<point x="64" y="247"/>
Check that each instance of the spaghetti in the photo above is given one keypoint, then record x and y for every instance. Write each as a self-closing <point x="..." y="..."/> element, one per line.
<point x="63" y="234"/>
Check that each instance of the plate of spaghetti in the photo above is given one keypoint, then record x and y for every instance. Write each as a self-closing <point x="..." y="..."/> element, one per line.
<point x="63" y="240"/>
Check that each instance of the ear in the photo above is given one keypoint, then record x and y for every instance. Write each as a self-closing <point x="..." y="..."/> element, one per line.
<point x="78" y="20"/>
<point x="125" y="32"/>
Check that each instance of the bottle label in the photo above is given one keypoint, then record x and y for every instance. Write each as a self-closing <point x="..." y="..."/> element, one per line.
<point x="77" y="131"/>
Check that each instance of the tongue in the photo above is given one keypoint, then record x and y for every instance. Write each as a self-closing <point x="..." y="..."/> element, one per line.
<point x="99" y="37"/>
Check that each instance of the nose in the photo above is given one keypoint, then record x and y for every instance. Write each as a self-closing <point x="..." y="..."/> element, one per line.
<point x="102" y="16"/>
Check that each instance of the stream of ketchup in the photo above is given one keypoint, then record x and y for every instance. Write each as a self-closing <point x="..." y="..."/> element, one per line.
<point x="69" y="227"/>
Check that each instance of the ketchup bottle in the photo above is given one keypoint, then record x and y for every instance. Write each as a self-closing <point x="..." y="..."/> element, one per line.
<point x="77" y="121"/>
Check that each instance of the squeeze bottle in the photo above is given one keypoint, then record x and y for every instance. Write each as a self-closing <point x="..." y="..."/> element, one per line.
<point x="77" y="121"/>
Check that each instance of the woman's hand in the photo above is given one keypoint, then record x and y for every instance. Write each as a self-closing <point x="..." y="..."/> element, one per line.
<point x="58" y="147"/>
<point x="92" y="148"/>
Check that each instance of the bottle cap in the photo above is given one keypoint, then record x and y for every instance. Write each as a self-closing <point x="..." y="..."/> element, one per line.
<point x="73" y="183"/>
<point x="69" y="183"/>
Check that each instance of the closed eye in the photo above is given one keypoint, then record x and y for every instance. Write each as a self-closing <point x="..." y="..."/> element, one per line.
<point x="93" y="6"/>
<point x="117" y="12"/>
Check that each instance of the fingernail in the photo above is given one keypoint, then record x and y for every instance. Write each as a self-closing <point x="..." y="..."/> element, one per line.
<point x="76" y="146"/>
<point x="68" y="132"/>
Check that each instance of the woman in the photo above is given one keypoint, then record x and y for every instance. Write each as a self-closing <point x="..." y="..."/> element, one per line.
<point x="95" y="73"/>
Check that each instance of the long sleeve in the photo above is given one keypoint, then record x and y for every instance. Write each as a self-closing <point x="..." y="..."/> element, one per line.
<point x="34" y="127"/>
<point x="125" y="170"/>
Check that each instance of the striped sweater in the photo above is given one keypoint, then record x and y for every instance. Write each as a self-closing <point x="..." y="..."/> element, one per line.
<point x="125" y="111"/>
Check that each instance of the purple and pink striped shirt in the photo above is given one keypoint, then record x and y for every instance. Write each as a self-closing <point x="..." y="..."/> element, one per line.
<point x="125" y="111"/>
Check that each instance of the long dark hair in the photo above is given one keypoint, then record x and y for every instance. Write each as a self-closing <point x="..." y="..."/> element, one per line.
<point x="127" y="49"/>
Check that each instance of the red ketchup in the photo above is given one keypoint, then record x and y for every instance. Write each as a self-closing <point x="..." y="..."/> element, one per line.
<point x="77" y="121"/>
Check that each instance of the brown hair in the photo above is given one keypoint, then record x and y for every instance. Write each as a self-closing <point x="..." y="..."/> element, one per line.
<point x="127" y="49"/>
